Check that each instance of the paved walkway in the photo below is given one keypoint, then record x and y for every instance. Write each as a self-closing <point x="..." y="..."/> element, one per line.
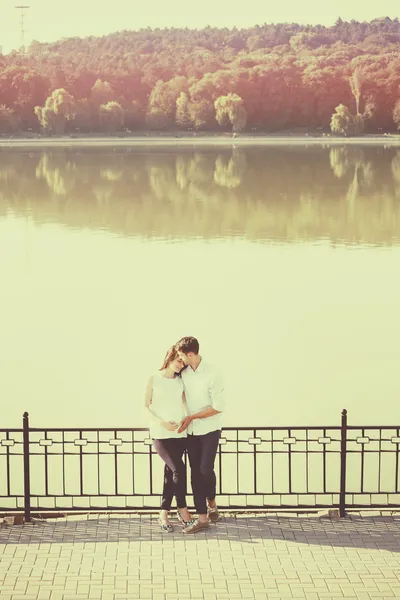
<point x="115" y="557"/>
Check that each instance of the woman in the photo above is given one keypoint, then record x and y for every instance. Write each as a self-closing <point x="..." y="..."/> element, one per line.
<point x="165" y="401"/>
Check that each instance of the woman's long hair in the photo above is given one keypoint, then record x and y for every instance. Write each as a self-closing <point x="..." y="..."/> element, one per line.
<point x="171" y="355"/>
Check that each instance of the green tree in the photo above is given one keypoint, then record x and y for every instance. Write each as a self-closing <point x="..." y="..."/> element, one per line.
<point x="345" y="123"/>
<point x="231" y="109"/>
<point x="396" y="114"/>
<point x="162" y="105"/>
<point x="356" y="82"/>
<point x="202" y="114"/>
<point x="182" y="116"/>
<point x="111" y="116"/>
<point x="221" y="111"/>
<point x="58" y="109"/>
<point x="237" y="112"/>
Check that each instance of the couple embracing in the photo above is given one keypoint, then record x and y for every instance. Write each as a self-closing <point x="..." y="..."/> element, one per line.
<point x="185" y="399"/>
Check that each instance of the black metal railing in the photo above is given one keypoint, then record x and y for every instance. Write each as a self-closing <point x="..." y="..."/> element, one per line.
<point x="82" y="469"/>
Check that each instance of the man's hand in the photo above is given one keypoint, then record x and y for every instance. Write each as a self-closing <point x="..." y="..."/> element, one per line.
<point x="185" y="424"/>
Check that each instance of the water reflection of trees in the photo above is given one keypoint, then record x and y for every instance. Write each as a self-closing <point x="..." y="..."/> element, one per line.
<point x="342" y="193"/>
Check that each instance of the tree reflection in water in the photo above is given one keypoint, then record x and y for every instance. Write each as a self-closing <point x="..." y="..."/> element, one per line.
<point x="344" y="194"/>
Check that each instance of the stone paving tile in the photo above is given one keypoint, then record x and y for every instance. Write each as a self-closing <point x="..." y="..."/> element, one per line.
<point x="269" y="557"/>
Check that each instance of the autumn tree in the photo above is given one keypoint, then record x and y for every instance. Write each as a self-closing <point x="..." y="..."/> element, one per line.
<point x="287" y="76"/>
<point x="134" y="115"/>
<point x="101" y="93"/>
<point x="21" y="89"/>
<point x="8" y="120"/>
<point x="83" y="120"/>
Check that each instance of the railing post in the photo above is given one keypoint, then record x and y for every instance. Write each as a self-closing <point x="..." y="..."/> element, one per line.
<point x="27" y="480"/>
<point x="343" y="461"/>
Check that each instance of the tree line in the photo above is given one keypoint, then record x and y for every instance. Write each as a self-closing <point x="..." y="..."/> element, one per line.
<point x="344" y="79"/>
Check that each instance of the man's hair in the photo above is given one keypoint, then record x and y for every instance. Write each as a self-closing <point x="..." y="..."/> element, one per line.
<point x="188" y="344"/>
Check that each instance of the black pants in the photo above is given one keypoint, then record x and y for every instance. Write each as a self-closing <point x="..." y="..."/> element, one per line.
<point x="202" y="450"/>
<point x="171" y="451"/>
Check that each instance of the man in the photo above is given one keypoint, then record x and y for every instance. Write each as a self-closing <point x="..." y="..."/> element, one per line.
<point x="205" y="402"/>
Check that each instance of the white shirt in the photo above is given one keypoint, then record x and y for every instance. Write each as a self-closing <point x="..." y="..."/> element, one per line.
<point x="203" y="388"/>
<point x="167" y="404"/>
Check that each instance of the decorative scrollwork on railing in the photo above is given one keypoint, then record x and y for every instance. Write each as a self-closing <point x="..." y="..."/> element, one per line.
<point x="255" y="441"/>
<point x="10" y="442"/>
<point x="306" y="467"/>
<point x="45" y="442"/>
<point x="116" y="442"/>
<point x="289" y="441"/>
<point x="81" y="442"/>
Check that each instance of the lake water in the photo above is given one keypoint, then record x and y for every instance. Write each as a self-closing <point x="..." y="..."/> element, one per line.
<point x="284" y="262"/>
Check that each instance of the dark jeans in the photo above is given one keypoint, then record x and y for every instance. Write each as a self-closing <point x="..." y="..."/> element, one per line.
<point x="171" y="451"/>
<point x="202" y="450"/>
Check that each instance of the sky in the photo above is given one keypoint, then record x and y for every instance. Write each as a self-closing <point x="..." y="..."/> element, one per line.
<point x="51" y="20"/>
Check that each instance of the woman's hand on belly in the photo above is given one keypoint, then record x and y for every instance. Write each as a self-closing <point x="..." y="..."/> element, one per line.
<point x="170" y="425"/>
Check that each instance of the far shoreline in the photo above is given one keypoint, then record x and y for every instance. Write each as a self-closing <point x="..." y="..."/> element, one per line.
<point x="200" y="139"/>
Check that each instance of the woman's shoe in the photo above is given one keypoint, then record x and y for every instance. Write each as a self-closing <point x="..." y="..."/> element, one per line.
<point x="165" y="527"/>
<point x="182" y="520"/>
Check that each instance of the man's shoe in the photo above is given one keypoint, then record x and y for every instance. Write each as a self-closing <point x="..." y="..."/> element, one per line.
<point x="196" y="526"/>
<point x="213" y="514"/>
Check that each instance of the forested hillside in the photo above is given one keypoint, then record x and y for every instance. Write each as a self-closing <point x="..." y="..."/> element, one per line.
<point x="268" y="78"/>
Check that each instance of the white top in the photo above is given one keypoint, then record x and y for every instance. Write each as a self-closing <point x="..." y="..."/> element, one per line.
<point x="203" y="388"/>
<point x="167" y="404"/>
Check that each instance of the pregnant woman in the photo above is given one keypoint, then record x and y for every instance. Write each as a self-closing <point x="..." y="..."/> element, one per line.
<point x="165" y="401"/>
